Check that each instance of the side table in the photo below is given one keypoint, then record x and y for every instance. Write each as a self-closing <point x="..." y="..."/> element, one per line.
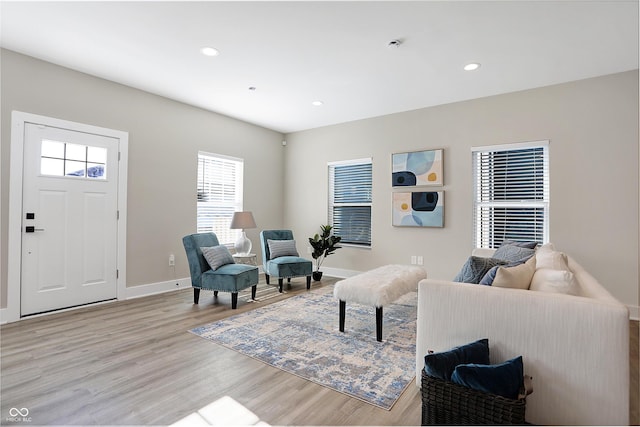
<point x="248" y="259"/>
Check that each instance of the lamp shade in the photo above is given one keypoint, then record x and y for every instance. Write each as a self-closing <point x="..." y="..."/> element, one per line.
<point x="242" y="220"/>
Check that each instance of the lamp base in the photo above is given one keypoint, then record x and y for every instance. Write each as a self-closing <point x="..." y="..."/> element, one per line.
<point x="243" y="245"/>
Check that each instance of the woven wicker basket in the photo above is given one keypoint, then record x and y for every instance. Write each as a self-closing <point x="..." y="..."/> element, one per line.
<point x="444" y="402"/>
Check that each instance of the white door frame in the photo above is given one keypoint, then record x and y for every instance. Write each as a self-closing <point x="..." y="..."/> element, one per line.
<point x="18" y="120"/>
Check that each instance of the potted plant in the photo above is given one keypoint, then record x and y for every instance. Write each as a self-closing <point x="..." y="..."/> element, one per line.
<point x="323" y="245"/>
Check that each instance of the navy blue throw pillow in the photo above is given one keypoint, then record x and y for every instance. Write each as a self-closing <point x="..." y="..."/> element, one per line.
<point x="504" y="379"/>
<point x="441" y="365"/>
<point x="475" y="268"/>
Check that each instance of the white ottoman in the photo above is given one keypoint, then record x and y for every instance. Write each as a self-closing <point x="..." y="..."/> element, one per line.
<point x="377" y="287"/>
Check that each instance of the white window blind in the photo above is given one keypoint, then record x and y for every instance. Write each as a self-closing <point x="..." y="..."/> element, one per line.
<point x="350" y="201"/>
<point x="219" y="195"/>
<point x="511" y="185"/>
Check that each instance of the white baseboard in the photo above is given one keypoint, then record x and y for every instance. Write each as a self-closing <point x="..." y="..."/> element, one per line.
<point x="3" y="316"/>
<point x="339" y="272"/>
<point x="157" y="288"/>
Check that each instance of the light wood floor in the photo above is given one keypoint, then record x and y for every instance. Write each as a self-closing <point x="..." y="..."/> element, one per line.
<point x="132" y="362"/>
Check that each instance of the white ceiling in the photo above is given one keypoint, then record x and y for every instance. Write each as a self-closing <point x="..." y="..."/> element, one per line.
<point x="294" y="53"/>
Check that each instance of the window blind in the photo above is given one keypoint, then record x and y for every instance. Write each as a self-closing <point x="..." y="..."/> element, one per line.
<point x="511" y="185"/>
<point x="350" y="190"/>
<point x="219" y="187"/>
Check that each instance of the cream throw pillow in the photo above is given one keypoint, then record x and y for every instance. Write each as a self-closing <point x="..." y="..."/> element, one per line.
<point x="518" y="277"/>
<point x="557" y="281"/>
<point x="548" y="257"/>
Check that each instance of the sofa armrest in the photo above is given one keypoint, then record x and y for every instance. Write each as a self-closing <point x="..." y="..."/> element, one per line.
<point x="575" y="348"/>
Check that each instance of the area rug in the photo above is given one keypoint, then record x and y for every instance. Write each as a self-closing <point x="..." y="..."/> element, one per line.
<point x="300" y="335"/>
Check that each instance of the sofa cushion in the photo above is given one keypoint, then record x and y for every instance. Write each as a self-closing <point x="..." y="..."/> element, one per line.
<point x="279" y="248"/>
<point x="518" y="277"/>
<point x="475" y="268"/>
<point x="504" y="379"/>
<point x="557" y="281"/>
<point x="441" y="365"/>
<point x="217" y="256"/>
<point x="513" y="253"/>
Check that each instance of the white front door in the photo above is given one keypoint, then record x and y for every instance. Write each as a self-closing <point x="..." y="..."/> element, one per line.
<point x="69" y="218"/>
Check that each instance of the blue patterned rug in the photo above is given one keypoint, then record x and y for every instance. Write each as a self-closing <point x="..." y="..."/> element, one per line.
<point x="300" y="335"/>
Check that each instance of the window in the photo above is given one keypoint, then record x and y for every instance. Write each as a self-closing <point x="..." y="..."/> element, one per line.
<point x="219" y="195"/>
<point x="511" y="193"/>
<point x="350" y="201"/>
<point x="72" y="160"/>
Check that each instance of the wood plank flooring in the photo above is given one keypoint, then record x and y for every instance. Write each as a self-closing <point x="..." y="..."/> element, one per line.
<point x="132" y="362"/>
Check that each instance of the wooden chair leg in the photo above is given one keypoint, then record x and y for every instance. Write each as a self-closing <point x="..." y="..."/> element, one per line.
<point x="234" y="300"/>
<point x="215" y="293"/>
<point x="280" y="284"/>
<point x="308" y="282"/>
<point x="266" y="277"/>
<point x="253" y="291"/>
<point x="196" y="295"/>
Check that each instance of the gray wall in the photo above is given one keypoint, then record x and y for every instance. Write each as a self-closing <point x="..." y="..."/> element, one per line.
<point x="592" y="126"/>
<point x="164" y="139"/>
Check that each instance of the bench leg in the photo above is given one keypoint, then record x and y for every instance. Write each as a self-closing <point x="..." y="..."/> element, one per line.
<point x="343" y="306"/>
<point x="379" y="323"/>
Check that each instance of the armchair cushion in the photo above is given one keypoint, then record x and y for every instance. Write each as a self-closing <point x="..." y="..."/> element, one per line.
<point x="217" y="256"/>
<point x="230" y="278"/>
<point x="288" y="266"/>
<point x="279" y="248"/>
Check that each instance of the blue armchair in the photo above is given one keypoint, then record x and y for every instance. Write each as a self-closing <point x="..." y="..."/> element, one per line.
<point x="227" y="278"/>
<point x="280" y="258"/>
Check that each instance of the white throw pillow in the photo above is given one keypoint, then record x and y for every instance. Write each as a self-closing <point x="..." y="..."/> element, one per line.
<point x="278" y="248"/>
<point x="217" y="256"/>
<point x="518" y="277"/>
<point x="558" y="281"/>
<point x="548" y="257"/>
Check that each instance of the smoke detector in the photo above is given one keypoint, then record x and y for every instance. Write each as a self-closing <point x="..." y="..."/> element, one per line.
<point x="394" y="43"/>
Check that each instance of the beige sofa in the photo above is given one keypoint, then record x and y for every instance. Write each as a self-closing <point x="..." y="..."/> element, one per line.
<point x="576" y="348"/>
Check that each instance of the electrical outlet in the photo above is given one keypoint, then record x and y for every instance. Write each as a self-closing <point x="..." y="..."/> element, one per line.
<point x="172" y="260"/>
<point x="414" y="260"/>
<point x="420" y="260"/>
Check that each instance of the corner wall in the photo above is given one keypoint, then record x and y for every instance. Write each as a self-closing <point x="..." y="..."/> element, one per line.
<point x="592" y="126"/>
<point x="164" y="139"/>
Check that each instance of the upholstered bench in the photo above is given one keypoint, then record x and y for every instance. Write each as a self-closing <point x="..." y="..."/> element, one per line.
<point x="377" y="287"/>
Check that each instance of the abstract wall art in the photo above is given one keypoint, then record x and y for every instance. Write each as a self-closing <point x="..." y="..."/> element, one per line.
<point x="418" y="209"/>
<point x="417" y="168"/>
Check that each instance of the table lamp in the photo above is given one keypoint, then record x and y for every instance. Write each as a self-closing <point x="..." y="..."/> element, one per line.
<point x="242" y="221"/>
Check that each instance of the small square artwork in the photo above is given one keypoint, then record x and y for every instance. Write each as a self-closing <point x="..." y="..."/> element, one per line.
<point x="418" y="209"/>
<point x="417" y="168"/>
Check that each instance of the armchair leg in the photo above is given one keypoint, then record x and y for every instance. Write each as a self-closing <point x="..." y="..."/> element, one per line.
<point x="253" y="291"/>
<point x="234" y="300"/>
<point x="196" y="295"/>
<point x="266" y="277"/>
<point x="215" y="293"/>
<point x="280" y="284"/>
<point x="308" y="282"/>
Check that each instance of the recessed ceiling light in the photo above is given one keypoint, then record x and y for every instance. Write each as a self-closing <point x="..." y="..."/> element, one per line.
<point x="252" y="88"/>
<point x="317" y="103"/>
<point x="472" y="66"/>
<point x="210" y="51"/>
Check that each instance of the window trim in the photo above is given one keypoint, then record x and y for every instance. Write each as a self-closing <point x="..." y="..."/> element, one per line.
<point x="544" y="204"/>
<point x="330" y="197"/>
